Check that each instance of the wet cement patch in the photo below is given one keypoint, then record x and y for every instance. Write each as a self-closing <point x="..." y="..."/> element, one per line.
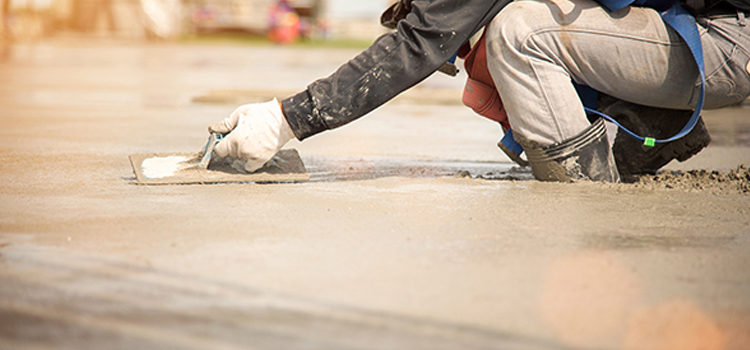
<point x="328" y="169"/>
<point x="323" y="169"/>
<point x="736" y="181"/>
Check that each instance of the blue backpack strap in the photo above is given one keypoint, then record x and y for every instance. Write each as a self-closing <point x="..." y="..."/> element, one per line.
<point x="684" y="24"/>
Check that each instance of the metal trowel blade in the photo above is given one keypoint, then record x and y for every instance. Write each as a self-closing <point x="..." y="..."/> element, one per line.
<point x="185" y="168"/>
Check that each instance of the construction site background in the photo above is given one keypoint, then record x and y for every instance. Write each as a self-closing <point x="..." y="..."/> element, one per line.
<point x="24" y="20"/>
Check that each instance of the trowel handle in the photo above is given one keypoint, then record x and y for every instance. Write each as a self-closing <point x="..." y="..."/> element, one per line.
<point x="208" y="149"/>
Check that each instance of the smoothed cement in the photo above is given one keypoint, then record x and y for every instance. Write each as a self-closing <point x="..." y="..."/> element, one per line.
<point x="414" y="232"/>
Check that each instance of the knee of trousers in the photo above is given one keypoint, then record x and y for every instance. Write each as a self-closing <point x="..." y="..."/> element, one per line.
<point x="516" y="25"/>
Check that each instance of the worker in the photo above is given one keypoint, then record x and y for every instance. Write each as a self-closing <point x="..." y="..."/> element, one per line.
<point x="536" y="51"/>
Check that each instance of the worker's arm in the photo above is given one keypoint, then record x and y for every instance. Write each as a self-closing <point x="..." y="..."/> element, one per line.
<point x="429" y="35"/>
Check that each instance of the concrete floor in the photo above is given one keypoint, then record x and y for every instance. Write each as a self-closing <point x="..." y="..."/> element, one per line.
<point x="384" y="248"/>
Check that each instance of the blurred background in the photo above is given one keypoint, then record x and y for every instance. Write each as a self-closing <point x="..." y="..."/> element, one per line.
<point x="279" y="21"/>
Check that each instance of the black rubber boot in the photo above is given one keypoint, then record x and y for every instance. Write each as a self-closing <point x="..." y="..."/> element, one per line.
<point x="632" y="158"/>
<point x="586" y="156"/>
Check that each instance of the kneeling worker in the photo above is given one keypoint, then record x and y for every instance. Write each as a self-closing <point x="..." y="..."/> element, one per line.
<point x="537" y="52"/>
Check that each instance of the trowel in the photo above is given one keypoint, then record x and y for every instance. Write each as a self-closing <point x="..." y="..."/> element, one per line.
<point x="204" y="167"/>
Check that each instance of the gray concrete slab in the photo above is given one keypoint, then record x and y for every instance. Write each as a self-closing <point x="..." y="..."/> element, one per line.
<point x="414" y="231"/>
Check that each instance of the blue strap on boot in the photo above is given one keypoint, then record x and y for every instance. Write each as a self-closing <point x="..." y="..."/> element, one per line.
<point x="684" y="24"/>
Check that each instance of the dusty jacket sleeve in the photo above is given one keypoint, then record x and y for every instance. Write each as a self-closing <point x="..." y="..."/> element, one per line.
<point x="430" y="34"/>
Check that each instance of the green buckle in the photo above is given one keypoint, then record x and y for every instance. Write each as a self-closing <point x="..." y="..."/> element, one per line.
<point x="649" y="142"/>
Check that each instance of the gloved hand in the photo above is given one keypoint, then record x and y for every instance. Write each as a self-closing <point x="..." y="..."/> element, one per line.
<point x="256" y="133"/>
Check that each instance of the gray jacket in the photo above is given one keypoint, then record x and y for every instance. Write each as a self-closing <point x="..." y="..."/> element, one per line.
<point x="430" y="34"/>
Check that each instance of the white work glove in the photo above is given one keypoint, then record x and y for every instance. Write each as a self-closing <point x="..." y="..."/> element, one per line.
<point x="256" y="133"/>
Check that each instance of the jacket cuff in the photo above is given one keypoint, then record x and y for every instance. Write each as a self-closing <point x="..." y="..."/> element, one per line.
<point x="300" y="114"/>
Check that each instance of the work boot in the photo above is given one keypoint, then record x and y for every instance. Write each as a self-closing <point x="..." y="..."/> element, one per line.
<point x="632" y="158"/>
<point x="586" y="156"/>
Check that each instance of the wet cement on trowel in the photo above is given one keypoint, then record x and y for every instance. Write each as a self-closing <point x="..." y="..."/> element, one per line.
<point x="183" y="169"/>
